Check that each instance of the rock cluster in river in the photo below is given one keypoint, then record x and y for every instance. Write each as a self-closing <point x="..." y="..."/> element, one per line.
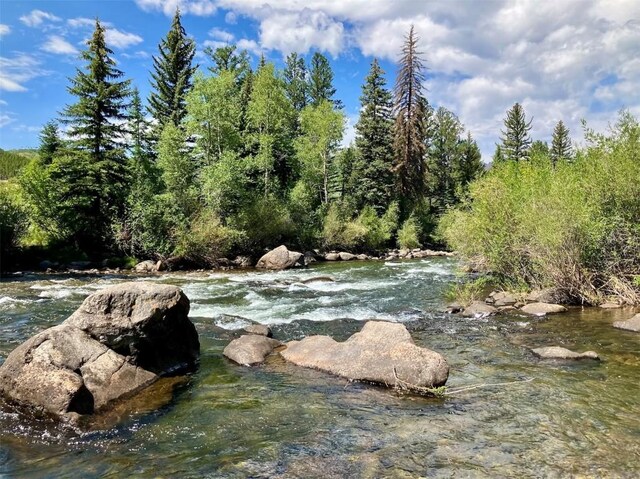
<point x="120" y="340"/>
<point x="557" y="352"/>
<point x="501" y="301"/>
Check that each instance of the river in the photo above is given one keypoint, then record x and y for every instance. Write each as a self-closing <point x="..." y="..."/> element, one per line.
<point x="277" y="420"/>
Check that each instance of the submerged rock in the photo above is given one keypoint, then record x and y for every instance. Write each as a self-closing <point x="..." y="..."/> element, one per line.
<point x="250" y="349"/>
<point x="542" y="309"/>
<point x="632" y="324"/>
<point x="557" y="352"/>
<point x="280" y="258"/>
<point x="318" y="279"/>
<point x="119" y="341"/>
<point x="478" y="309"/>
<point x="259" y="329"/>
<point x="382" y="353"/>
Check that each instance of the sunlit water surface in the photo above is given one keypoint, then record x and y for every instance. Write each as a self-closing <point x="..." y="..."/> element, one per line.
<point x="277" y="420"/>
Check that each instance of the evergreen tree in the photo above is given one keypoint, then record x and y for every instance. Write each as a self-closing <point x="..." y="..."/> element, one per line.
<point x="50" y="142"/>
<point x="560" y="144"/>
<point x="539" y="148"/>
<point x="516" y="141"/>
<point x="226" y="59"/>
<point x="138" y="128"/>
<point x="498" y="156"/>
<point x="411" y="108"/>
<point x="295" y="81"/>
<point x="321" y="81"/>
<point x="96" y="129"/>
<point x="444" y="158"/>
<point x="468" y="168"/>
<point x="171" y="76"/>
<point x="374" y="141"/>
<point x="245" y="96"/>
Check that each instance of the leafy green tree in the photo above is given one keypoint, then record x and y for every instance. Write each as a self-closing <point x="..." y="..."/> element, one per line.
<point x="444" y="156"/>
<point x="374" y="140"/>
<point x="295" y="81"/>
<point x="214" y="113"/>
<point x="269" y="116"/>
<point x="97" y="129"/>
<point x="50" y="142"/>
<point x="321" y="81"/>
<point x="410" y="108"/>
<point x="516" y="141"/>
<point x="322" y="128"/>
<point x="228" y="59"/>
<point x="171" y="76"/>
<point x="245" y="97"/>
<point x="560" y="144"/>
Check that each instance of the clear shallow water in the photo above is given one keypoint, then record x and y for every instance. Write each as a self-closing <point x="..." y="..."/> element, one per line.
<point x="573" y="419"/>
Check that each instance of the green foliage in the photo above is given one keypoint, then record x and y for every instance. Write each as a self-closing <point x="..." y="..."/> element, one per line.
<point x="321" y="82"/>
<point x="13" y="225"/>
<point x="50" y="142"/>
<point x="466" y="292"/>
<point x="226" y="59"/>
<point x="367" y="231"/>
<point x="561" y="144"/>
<point x="575" y="227"/>
<point x="515" y="138"/>
<point x="264" y="223"/>
<point x="295" y="81"/>
<point x="171" y="76"/>
<point x="11" y="164"/>
<point x="409" y="234"/>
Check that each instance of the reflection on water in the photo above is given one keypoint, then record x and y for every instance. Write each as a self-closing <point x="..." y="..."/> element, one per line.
<point x="573" y="419"/>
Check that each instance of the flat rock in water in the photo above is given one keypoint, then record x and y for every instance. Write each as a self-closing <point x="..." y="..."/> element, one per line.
<point x="331" y="257"/>
<point x="632" y="324"/>
<point x="120" y="340"/>
<point x="478" y="309"/>
<point x="542" y="309"/>
<point x="280" y="258"/>
<point x="557" y="352"/>
<point x="346" y="256"/>
<point x="250" y="349"/>
<point x="382" y="353"/>
<point x="259" y="329"/>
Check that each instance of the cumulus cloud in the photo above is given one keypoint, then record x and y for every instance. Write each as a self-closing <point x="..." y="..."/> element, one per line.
<point x="5" y="120"/>
<point x="16" y="71"/>
<point x="201" y="8"/>
<point x="221" y="35"/>
<point x="35" y="18"/>
<point x="59" y="46"/>
<point x="81" y="22"/>
<point x="120" y="39"/>
<point x="4" y="29"/>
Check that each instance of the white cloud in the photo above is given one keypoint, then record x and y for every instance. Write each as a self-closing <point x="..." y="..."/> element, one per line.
<point x="221" y="35"/>
<point x="81" y="22"/>
<point x="250" y="45"/>
<point x="35" y="18"/>
<point x="59" y="46"/>
<point x="5" y="120"/>
<point x="3" y="103"/>
<point x="16" y="71"/>
<point x="201" y="8"/>
<point x="119" y="39"/>
<point x="231" y="18"/>
<point x="4" y="29"/>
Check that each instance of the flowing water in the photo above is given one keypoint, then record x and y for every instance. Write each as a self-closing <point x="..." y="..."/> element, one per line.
<point x="572" y="419"/>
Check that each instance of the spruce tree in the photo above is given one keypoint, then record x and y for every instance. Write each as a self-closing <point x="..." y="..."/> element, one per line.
<point x="443" y="159"/>
<point x="468" y="168"/>
<point x="295" y="81"/>
<point x="138" y="128"/>
<point x="171" y="77"/>
<point x="539" y="148"/>
<point x="97" y="128"/>
<point x="410" y="108"/>
<point x="50" y="142"/>
<point x="374" y="141"/>
<point x="226" y="59"/>
<point x="321" y="81"/>
<point x="498" y="156"/>
<point x="560" y="144"/>
<point x="516" y="141"/>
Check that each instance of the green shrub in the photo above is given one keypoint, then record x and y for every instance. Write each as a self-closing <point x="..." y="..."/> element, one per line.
<point x="575" y="226"/>
<point x="13" y="224"/>
<point x="11" y="163"/>
<point x="265" y="223"/>
<point x="206" y="240"/>
<point x="409" y="234"/>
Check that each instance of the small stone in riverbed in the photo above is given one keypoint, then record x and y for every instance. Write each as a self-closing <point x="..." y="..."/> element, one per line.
<point x="250" y="349"/>
<point x="453" y="308"/>
<point x="478" y="309"/>
<point x="259" y="329"/>
<point x="632" y="324"/>
<point x="346" y="256"/>
<point x="542" y="309"/>
<point x="557" y="352"/>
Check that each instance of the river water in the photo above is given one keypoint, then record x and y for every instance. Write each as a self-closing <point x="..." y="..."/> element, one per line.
<point x="277" y="420"/>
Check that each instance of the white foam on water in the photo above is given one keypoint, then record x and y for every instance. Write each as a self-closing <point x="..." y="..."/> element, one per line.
<point x="8" y="301"/>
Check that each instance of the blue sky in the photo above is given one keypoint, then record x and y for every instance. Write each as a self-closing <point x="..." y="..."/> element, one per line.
<point x="564" y="60"/>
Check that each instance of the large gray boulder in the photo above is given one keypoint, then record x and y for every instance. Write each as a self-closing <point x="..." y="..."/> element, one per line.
<point x="557" y="352"/>
<point x="119" y="341"/>
<point x="250" y="349"/>
<point x="382" y="353"/>
<point x="542" y="309"/>
<point x="632" y="324"/>
<point x="280" y="258"/>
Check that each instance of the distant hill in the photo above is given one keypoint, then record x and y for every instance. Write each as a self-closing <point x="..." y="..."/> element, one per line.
<point x="12" y="161"/>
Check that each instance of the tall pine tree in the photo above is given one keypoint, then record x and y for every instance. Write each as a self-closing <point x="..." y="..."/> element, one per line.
<point x="295" y="81"/>
<point x="171" y="77"/>
<point x="516" y="141"/>
<point x="321" y="81"/>
<point x="560" y="144"/>
<point x="468" y="168"/>
<point x="410" y="108"/>
<point x="374" y="141"/>
<point x="50" y="142"/>
<point x="96" y="128"/>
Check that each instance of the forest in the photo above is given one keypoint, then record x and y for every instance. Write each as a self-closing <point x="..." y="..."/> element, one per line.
<point x="225" y="159"/>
